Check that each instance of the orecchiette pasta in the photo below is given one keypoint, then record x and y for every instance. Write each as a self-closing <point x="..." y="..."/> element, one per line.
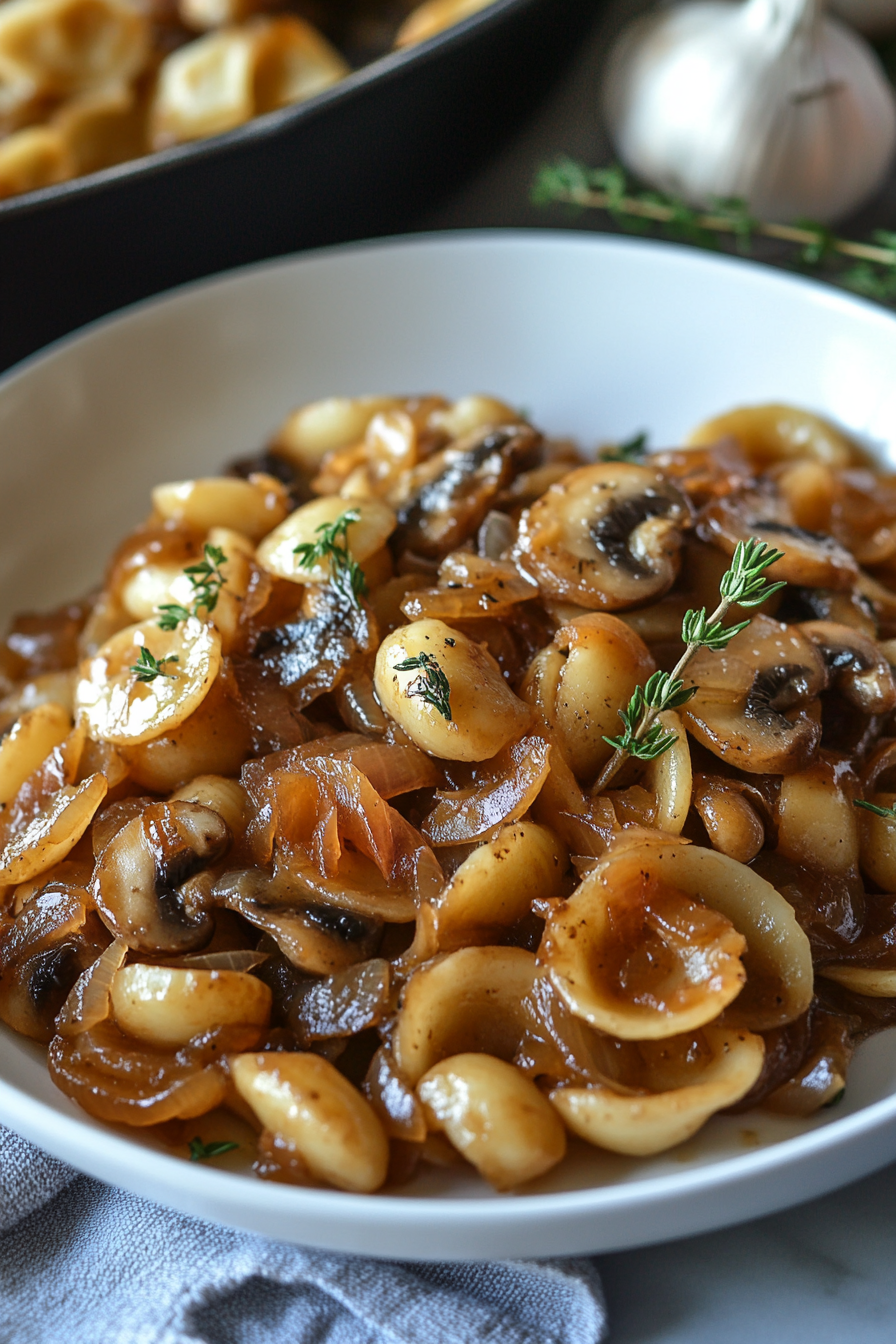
<point x="86" y="84"/>
<point x="359" y="804"/>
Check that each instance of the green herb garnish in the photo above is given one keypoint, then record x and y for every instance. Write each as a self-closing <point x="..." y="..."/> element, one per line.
<point x="630" y="450"/>
<point x="432" y="685"/>
<point x="743" y="584"/>
<point x="201" y="1152"/>
<point x="147" y="668"/>
<point x="888" y="812"/>
<point x="207" y="581"/>
<point x="867" y="268"/>
<point x="346" y="574"/>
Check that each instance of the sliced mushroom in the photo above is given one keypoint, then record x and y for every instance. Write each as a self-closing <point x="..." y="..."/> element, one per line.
<point x="753" y="702"/>
<point x="811" y="559"/>
<point x="141" y="881"/>
<point x="607" y="536"/>
<point x="442" y="502"/>
<point x="855" y="665"/>
<point x="846" y="607"/>
<point x="43" y="951"/>
<point x="316" y="938"/>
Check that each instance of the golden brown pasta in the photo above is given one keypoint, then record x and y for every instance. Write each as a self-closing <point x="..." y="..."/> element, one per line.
<point x="362" y="803"/>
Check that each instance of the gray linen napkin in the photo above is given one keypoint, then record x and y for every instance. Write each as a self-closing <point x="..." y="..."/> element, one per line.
<point x="82" y="1263"/>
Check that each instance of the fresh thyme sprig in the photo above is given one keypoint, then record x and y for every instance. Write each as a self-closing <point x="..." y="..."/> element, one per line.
<point x="147" y="667"/>
<point x="888" y="812"/>
<point x="872" y="271"/>
<point x="630" y="450"/>
<point x="201" y="1152"/>
<point x="743" y="584"/>
<point x="345" y="572"/>
<point x="207" y="581"/>
<point x="432" y="685"/>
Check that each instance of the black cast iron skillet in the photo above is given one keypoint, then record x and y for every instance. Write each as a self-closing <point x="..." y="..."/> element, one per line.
<point x="359" y="160"/>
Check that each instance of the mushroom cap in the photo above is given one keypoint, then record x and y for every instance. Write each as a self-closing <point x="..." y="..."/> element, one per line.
<point x="810" y="559"/>
<point x="140" y="877"/>
<point x="753" y="701"/>
<point x="855" y="664"/>
<point x="607" y="536"/>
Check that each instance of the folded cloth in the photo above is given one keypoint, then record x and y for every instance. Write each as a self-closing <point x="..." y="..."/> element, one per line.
<point x="82" y="1263"/>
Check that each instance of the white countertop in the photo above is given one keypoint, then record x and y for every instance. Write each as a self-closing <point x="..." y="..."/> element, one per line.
<point x="823" y="1273"/>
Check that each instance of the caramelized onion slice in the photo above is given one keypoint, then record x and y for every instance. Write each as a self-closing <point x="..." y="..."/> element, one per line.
<point x="89" y="998"/>
<point x="469" y="587"/>
<point x="342" y="1004"/>
<point x="397" y="1105"/>
<point x="505" y="789"/>
<point x="670" y="1109"/>
<point x="130" y="1083"/>
<point x="53" y="832"/>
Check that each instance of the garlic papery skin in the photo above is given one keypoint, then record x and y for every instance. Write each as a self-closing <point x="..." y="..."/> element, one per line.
<point x="766" y="101"/>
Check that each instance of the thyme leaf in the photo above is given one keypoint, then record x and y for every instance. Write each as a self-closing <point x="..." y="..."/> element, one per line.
<point x="201" y="1152"/>
<point x="207" y="581"/>
<point x="888" y="812"/>
<point x="346" y="575"/>
<point x="432" y="685"/>
<point x="867" y="268"/>
<point x="147" y="668"/>
<point x="743" y="583"/>
<point x="630" y="450"/>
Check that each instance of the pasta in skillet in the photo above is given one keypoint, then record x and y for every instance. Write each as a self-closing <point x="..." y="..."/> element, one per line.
<point x="86" y="84"/>
<point x="422" y="792"/>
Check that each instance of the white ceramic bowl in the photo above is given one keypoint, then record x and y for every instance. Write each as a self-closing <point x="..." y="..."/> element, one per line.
<point x="595" y="337"/>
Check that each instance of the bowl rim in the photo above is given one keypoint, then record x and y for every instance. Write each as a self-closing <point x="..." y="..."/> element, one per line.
<point x="383" y="70"/>
<point x="830" y="295"/>
<point x="95" y="1147"/>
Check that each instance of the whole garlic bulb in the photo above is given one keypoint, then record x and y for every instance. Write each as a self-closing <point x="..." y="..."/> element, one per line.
<point x="767" y="100"/>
